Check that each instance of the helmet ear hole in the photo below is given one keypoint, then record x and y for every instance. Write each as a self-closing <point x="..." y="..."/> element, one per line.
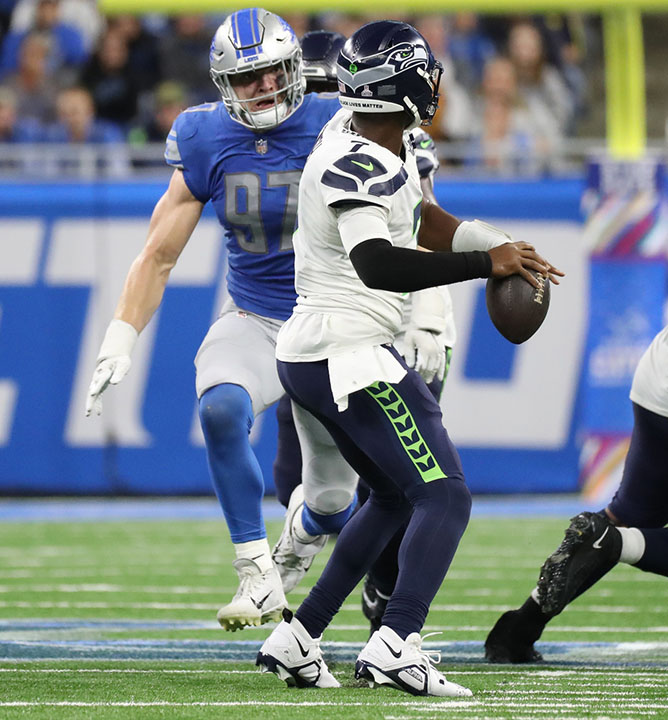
<point x="387" y="66"/>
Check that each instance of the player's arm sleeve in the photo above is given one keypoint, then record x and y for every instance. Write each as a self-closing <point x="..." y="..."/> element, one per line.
<point x="382" y="266"/>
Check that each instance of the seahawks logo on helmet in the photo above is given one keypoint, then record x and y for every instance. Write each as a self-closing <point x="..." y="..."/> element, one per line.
<point x="406" y="55"/>
<point x="387" y="66"/>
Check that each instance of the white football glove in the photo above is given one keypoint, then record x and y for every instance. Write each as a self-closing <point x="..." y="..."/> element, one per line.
<point x="113" y="362"/>
<point x="424" y="351"/>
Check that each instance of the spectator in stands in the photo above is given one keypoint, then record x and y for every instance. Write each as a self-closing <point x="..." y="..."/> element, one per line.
<point x="469" y="49"/>
<point x="77" y="124"/>
<point x="168" y="102"/>
<point x="80" y="14"/>
<point x="540" y="85"/>
<point x="12" y="128"/>
<point x="565" y="41"/>
<point x="182" y="59"/>
<point x="35" y="88"/>
<point x="6" y="9"/>
<point x="108" y="76"/>
<point x="143" y="50"/>
<point x="453" y="121"/>
<point x="504" y="140"/>
<point x="67" y="49"/>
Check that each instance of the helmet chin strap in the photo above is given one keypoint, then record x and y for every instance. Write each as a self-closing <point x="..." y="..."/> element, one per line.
<point x="417" y="120"/>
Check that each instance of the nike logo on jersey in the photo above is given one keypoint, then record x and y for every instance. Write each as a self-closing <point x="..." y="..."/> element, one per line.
<point x="597" y="544"/>
<point x="259" y="603"/>
<point x="392" y="650"/>
<point x="365" y="166"/>
<point x="301" y="649"/>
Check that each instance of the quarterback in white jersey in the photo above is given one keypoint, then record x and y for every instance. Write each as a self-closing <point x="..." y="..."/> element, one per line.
<point x="351" y="190"/>
<point x="359" y="221"/>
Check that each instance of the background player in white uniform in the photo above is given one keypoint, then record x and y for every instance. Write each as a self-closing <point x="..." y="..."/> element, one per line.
<point x="245" y="155"/>
<point x="629" y="530"/>
<point x="355" y="256"/>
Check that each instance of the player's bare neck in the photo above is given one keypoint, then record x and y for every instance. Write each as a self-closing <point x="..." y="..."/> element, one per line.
<point x="386" y="129"/>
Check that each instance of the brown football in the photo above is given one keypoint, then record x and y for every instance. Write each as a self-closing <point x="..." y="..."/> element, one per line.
<point x="516" y="308"/>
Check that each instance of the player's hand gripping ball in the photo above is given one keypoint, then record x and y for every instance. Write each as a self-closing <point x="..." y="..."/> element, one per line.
<point x="516" y="308"/>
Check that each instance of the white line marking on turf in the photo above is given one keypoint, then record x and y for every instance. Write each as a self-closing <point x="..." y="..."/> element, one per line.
<point x="249" y="703"/>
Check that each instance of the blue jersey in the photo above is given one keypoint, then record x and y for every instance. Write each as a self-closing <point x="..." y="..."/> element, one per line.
<point x="252" y="181"/>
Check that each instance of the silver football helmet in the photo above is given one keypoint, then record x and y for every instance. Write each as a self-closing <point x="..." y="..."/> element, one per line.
<point x="249" y="41"/>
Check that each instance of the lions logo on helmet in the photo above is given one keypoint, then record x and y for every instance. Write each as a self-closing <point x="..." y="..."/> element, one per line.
<point x="249" y="41"/>
<point x="387" y="66"/>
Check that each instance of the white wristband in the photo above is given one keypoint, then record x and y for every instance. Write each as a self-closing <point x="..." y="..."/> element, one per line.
<point x="119" y="339"/>
<point x="478" y="235"/>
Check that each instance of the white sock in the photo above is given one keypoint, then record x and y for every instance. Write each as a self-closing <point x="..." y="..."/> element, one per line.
<point x="298" y="529"/>
<point x="534" y="595"/>
<point x="633" y="545"/>
<point x="256" y="550"/>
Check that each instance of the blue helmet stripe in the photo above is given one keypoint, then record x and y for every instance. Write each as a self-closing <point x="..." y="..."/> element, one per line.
<point x="247" y="32"/>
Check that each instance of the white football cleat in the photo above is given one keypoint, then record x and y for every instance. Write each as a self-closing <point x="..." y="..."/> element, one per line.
<point x="294" y="656"/>
<point x="292" y="557"/>
<point x="388" y="660"/>
<point x="259" y="599"/>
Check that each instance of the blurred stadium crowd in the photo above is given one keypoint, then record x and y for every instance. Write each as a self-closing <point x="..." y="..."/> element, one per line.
<point x="514" y="88"/>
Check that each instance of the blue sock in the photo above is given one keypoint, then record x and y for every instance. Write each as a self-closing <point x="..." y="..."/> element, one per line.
<point x="226" y="414"/>
<point x="316" y="524"/>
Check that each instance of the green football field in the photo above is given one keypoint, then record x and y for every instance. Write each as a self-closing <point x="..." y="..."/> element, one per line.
<point x="116" y="619"/>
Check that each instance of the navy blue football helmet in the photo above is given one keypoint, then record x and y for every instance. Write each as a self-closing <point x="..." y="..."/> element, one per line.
<point x="387" y="66"/>
<point x="320" y="51"/>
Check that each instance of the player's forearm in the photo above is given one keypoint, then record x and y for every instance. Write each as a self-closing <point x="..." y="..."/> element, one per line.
<point x="382" y="266"/>
<point x="172" y="223"/>
<point x="143" y="290"/>
<point x="437" y="227"/>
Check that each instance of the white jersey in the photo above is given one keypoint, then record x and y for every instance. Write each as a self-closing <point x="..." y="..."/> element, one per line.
<point x="650" y="381"/>
<point x="336" y="312"/>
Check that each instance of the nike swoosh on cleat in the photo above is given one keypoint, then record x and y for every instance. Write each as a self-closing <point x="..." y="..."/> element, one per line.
<point x="259" y="603"/>
<point x="392" y="650"/>
<point x="425" y="143"/>
<point x="367" y="166"/>
<point x="371" y="604"/>
<point x="597" y="544"/>
<point x="301" y="649"/>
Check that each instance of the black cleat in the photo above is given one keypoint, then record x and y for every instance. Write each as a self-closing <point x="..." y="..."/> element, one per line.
<point x="374" y="603"/>
<point x="512" y="637"/>
<point x="590" y="548"/>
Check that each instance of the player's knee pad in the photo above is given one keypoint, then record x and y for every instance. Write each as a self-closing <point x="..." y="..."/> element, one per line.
<point x="225" y="411"/>
<point x="319" y="524"/>
<point x="324" y="501"/>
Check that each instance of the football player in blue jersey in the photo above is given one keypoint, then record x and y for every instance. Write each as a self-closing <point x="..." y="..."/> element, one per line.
<point x="425" y="340"/>
<point x="245" y="155"/>
<point x="361" y="214"/>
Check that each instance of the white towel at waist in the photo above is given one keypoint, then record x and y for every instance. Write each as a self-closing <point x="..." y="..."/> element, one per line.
<point x="356" y="369"/>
